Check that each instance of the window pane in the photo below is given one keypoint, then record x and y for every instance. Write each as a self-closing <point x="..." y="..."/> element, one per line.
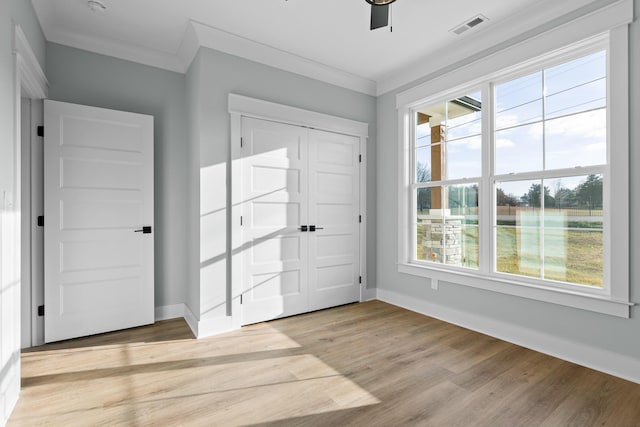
<point x="453" y="130"/>
<point x="423" y="135"/>
<point x="448" y="235"/>
<point x="576" y="140"/>
<point x="518" y="203"/>
<point x="519" y="101"/>
<point x="463" y="245"/>
<point x="464" y="158"/>
<point x="518" y="220"/>
<point x="519" y="149"/>
<point x="464" y="117"/>
<point x="567" y="233"/>
<point x="423" y="164"/>
<point x="589" y="96"/>
<point x="579" y="198"/>
<point x="575" y="73"/>
<point x="518" y="250"/>
<point x="423" y="202"/>
<point x="573" y="256"/>
<point x="530" y="112"/>
<point x="426" y="216"/>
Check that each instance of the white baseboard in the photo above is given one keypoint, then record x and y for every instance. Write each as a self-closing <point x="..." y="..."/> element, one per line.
<point x="191" y="320"/>
<point x="201" y="328"/>
<point x="592" y="357"/>
<point x="215" y="325"/>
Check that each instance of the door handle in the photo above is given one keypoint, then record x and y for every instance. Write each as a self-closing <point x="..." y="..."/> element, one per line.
<point x="314" y="228"/>
<point x="144" y="230"/>
<point x="303" y="228"/>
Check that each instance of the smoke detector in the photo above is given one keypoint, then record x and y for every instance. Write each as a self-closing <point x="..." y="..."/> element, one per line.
<point x="96" y="6"/>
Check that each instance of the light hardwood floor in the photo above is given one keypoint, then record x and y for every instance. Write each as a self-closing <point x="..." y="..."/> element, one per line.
<point x="369" y="364"/>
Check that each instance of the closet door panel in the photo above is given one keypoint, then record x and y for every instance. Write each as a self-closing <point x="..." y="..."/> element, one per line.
<point x="274" y="205"/>
<point x="334" y="210"/>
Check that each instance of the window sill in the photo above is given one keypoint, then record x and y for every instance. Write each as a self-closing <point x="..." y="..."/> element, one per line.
<point x="584" y="301"/>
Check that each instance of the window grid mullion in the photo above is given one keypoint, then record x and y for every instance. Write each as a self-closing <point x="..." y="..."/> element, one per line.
<point x="487" y="197"/>
<point x="414" y="191"/>
<point x="544" y="168"/>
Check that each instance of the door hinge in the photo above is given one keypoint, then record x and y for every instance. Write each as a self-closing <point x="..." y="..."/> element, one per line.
<point x="240" y="220"/>
<point x="41" y="221"/>
<point x="240" y="298"/>
<point x="360" y="218"/>
<point x="241" y="142"/>
<point x="40" y="131"/>
<point x="360" y="158"/>
<point x="41" y="310"/>
<point x="360" y="280"/>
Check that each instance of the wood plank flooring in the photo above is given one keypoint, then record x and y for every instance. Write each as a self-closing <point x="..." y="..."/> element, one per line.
<point x="369" y="364"/>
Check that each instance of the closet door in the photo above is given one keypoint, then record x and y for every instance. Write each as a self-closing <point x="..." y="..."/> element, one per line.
<point x="334" y="267"/>
<point x="274" y="206"/>
<point x="299" y="211"/>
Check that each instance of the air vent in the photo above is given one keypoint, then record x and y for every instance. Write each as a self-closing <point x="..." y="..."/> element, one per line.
<point x="471" y="23"/>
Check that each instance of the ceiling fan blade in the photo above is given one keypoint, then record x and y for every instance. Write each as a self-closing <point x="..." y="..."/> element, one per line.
<point x="379" y="16"/>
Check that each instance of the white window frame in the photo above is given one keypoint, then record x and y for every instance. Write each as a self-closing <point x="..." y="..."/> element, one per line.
<point x="606" y="28"/>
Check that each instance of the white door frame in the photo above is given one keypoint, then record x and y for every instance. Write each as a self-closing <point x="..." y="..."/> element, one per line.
<point x="240" y="106"/>
<point x="31" y="83"/>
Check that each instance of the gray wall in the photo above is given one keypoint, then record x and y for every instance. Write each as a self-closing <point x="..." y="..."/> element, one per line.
<point x="82" y="77"/>
<point x="193" y="178"/>
<point x="572" y="325"/>
<point x="215" y="75"/>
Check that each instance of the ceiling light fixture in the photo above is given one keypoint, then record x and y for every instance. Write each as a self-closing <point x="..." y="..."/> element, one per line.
<point x="379" y="2"/>
<point x="380" y="13"/>
<point x="96" y="6"/>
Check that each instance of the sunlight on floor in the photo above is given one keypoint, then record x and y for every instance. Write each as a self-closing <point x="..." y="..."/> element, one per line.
<point x="217" y="381"/>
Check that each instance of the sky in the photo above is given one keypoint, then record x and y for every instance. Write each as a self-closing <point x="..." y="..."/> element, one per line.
<point x="571" y="98"/>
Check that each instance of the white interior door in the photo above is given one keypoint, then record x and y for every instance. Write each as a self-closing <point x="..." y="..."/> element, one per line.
<point x="334" y="184"/>
<point x="274" y="193"/>
<point x="300" y="231"/>
<point x="98" y="194"/>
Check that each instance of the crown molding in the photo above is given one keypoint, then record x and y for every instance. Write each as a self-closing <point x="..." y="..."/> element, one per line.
<point x="216" y="39"/>
<point x="121" y="50"/>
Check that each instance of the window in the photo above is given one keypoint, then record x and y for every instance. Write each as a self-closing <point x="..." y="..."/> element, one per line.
<point x="448" y="167"/>
<point x="550" y="145"/>
<point x="509" y="180"/>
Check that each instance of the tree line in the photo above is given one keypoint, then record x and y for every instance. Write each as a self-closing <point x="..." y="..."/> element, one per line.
<point x="587" y="195"/>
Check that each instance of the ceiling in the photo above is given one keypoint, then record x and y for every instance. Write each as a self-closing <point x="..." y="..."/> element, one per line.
<point x="325" y="39"/>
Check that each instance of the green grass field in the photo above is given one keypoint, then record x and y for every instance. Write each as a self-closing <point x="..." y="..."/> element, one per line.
<point x="573" y="256"/>
<point x="577" y="257"/>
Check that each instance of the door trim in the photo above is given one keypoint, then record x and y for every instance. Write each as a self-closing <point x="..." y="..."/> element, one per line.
<point x="30" y="83"/>
<point x="26" y="70"/>
<point x="242" y="106"/>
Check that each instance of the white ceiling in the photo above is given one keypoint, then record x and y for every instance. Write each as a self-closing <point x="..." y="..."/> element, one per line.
<point x="325" y="39"/>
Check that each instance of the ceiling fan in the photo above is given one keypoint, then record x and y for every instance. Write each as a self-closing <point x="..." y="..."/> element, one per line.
<point x="379" y="13"/>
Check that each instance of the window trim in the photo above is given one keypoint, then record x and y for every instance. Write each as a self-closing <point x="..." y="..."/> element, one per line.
<point x="613" y="298"/>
